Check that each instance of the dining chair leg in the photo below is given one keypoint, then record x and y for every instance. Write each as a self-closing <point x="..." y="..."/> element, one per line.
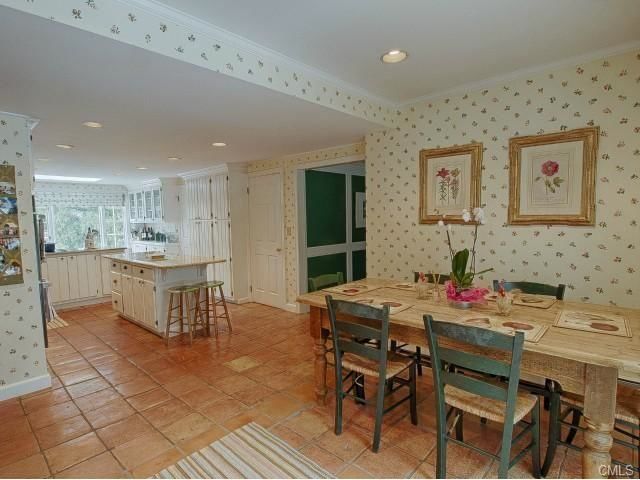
<point x="441" y="446"/>
<point x="339" y="398"/>
<point x="413" y="405"/>
<point x="418" y="358"/>
<point x="460" y="425"/>
<point x="575" y="421"/>
<point x="181" y="298"/>
<point x="358" y="381"/>
<point x="379" y="412"/>
<point x="554" y="431"/>
<point x="535" y="443"/>
<point x="505" y="451"/>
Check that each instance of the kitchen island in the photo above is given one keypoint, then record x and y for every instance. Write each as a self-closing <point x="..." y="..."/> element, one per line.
<point x="139" y="285"/>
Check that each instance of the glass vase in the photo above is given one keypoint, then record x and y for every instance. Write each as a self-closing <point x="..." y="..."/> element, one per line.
<point x="504" y="304"/>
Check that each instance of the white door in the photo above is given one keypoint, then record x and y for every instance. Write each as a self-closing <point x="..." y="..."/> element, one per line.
<point x="265" y="221"/>
<point x="94" y="280"/>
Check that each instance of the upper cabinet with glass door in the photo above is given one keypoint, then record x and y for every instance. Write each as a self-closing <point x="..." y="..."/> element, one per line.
<point x="157" y="201"/>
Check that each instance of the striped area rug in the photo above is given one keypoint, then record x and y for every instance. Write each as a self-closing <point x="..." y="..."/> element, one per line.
<point x="57" y="322"/>
<point x="248" y="452"/>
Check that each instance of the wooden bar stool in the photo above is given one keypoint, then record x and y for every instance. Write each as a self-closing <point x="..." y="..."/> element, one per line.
<point x="210" y="304"/>
<point x="184" y="299"/>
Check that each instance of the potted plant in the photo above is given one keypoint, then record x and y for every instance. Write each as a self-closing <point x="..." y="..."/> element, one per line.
<point x="460" y="288"/>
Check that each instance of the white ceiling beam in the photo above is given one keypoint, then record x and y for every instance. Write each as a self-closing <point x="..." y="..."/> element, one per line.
<point x="158" y="28"/>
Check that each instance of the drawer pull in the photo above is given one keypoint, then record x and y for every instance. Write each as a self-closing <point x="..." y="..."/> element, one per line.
<point x="141" y="271"/>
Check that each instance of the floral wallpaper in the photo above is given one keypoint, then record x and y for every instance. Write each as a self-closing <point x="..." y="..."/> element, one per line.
<point x="21" y="338"/>
<point x="153" y="29"/>
<point x="598" y="264"/>
<point x="289" y="166"/>
<point x="79" y="195"/>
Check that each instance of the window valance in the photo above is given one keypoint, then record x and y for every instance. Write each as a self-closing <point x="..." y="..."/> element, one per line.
<point x="79" y="195"/>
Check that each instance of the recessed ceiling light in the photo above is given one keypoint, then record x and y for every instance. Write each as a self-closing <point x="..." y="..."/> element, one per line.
<point x="142" y="168"/>
<point x="92" y="124"/>
<point x="61" y="178"/>
<point x="219" y="144"/>
<point x="394" y="56"/>
<point x="64" y="146"/>
<point x="43" y="159"/>
<point x="174" y="158"/>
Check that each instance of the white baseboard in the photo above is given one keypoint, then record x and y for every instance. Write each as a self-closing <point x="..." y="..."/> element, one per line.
<point x="293" y="307"/>
<point x="240" y="301"/>
<point x="25" y="386"/>
<point x="81" y="303"/>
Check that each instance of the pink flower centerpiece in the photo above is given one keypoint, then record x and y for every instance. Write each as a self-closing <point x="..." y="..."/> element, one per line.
<point x="460" y="290"/>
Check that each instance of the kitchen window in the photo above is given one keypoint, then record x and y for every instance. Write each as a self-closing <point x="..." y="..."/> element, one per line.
<point x="67" y="226"/>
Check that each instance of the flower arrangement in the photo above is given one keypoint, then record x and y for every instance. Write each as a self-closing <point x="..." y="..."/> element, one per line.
<point x="460" y="286"/>
<point x="504" y="300"/>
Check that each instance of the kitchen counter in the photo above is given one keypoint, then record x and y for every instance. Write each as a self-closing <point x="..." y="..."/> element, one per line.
<point x="170" y="261"/>
<point x="99" y="251"/>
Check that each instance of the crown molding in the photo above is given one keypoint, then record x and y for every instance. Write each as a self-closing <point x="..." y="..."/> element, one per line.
<point x="524" y="72"/>
<point x="201" y="172"/>
<point x="241" y="43"/>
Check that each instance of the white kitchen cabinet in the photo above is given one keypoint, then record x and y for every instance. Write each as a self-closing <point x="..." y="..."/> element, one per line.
<point x="79" y="277"/>
<point x="149" y="301"/>
<point x="105" y="275"/>
<point x="138" y="299"/>
<point x="133" y="212"/>
<point x="127" y="295"/>
<point x="210" y="201"/>
<point x="156" y="201"/>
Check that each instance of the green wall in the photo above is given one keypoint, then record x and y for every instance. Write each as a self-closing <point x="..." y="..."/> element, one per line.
<point x="327" y="264"/>
<point x="326" y="208"/>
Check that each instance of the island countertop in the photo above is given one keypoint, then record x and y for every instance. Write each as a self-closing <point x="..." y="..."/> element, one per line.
<point x="170" y="261"/>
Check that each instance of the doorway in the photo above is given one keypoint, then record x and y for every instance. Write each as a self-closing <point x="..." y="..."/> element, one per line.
<point x="266" y="237"/>
<point x="332" y="222"/>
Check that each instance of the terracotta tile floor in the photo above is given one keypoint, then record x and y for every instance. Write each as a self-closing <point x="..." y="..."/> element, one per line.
<point x="124" y="405"/>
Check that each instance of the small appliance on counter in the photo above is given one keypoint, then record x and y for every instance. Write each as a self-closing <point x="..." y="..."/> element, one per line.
<point x="50" y="247"/>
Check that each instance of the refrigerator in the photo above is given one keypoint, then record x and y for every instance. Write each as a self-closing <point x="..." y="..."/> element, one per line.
<point x="38" y="222"/>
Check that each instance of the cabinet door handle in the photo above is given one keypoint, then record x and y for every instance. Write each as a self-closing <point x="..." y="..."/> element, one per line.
<point x="141" y="271"/>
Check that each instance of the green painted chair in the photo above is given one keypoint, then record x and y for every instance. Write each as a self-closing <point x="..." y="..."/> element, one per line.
<point x="464" y="382"/>
<point x="533" y="288"/>
<point x="627" y="423"/>
<point x="367" y="359"/>
<point x="325" y="281"/>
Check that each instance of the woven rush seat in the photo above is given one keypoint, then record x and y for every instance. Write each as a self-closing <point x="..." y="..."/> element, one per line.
<point x="486" y="407"/>
<point x="365" y="366"/>
<point x="627" y="403"/>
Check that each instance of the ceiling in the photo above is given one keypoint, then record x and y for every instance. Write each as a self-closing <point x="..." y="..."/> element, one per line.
<point x="450" y="42"/>
<point x="152" y="107"/>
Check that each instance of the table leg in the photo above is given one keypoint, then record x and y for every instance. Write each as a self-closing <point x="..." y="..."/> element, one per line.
<point x="320" y="350"/>
<point x="599" y="414"/>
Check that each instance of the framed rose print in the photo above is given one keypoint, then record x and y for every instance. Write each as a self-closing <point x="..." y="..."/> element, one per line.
<point x="449" y="181"/>
<point x="552" y="178"/>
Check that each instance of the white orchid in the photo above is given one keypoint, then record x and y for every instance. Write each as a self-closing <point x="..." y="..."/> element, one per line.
<point x="478" y="215"/>
<point x="440" y="223"/>
<point x="466" y="216"/>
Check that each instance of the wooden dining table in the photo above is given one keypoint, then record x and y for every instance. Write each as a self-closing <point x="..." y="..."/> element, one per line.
<point x="585" y="363"/>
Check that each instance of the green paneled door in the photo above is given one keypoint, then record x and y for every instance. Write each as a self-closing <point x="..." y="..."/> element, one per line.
<point x="359" y="264"/>
<point x="326" y="208"/>
<point x="327" y="264"/>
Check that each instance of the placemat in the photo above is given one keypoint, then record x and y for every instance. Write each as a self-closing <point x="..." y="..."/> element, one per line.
<point x="533" y="332"/>
<point x="351" y="289"/>
<point x="527" y="300"/>
<point x="606" y="323"/>
<point x="394" y="305"/>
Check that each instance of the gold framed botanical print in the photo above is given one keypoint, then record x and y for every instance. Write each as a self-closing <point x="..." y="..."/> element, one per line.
<point x="552" y="178"/>
<point x="450" y="180"/>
